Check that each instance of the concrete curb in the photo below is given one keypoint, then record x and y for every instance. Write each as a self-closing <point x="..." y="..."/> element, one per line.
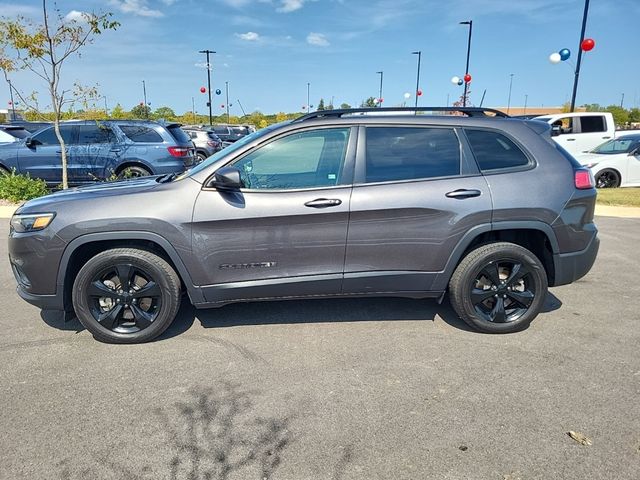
<point x="6" y="211"/>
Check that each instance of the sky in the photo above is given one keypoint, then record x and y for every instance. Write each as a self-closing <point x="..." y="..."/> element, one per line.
<point x="270" y="50"/>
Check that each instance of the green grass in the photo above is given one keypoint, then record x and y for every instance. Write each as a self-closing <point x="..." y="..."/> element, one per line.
<point x="622" y="197"/>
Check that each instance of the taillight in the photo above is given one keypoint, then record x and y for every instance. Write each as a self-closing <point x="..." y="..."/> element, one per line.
<point x="583" y="179"/>
<point x="211" y="143"/>
<point x="178" y="151"/>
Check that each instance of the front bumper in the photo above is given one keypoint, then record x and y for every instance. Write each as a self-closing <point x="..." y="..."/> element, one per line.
<point x="44" y="302"/>
<point x="570" y="267"/>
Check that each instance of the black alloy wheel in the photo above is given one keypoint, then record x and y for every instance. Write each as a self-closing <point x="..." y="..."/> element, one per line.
<point x="126" y="295"/>
<point x="133" y="171"/>
<point x="608" y="179"/>
<point x="498" y="288"/>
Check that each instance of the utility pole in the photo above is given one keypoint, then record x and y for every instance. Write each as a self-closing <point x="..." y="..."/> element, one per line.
<point x="308" y="97"/>
<point x="380" y="97"/>
<point x="526" y="97"/>
<point x="193" y="109"/>
<point x="13" y="105"/>
<point x="144" y="93"/>
<point x="466" y="70"/>
<point x="622" y="101"/>
<point x="226" y="84"/>
<point x="509" y="100"/>
<point x="106" y="110"/>
<point x="207" y="52"/>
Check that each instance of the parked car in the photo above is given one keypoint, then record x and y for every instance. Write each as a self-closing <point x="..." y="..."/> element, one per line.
<point x="615" y="163"/>
<point x="31" y="127"/>
<point x="206" y="142"/>
<point x="100" y="149"/>
<point x="579" y="132"/>
<point x="232" y="133"/>
<point x="15" y="132"/>
<point x="332" y="204"/>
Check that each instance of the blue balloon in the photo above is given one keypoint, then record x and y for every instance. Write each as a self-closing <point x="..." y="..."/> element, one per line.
<point x="218" y="91"/>
<point x="565" y="53"/>
<point x="460" y="82"/>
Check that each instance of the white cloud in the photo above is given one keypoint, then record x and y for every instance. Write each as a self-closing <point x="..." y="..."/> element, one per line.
<point x="136" y="7"/>
<point x="317" y="39"/>
<point x="290" y="5"/>
<point x="249" y="36"/>
<point x="75" y="15"/>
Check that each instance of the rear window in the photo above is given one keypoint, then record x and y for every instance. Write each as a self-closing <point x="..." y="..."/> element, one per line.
<point x="141" y="134"/>
<point x="17" y="132"/>
<point x="595" y="123"/>
<point x="221" y="130"/>
<point x="213" y="136"/>
<point x="494" y="151"/>
<point x="179" y="134"/>
<point x="411" y="153"/>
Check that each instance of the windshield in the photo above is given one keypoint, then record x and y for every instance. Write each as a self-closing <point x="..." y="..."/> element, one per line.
<point x="617" y="145"/>
<point x="228" y="150"/>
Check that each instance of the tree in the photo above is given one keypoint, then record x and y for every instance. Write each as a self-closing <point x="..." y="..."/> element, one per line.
<point x="345" y="106"/>
<point x="141" y="111"/>
<point x="620" y="115"/>
<point x="165" y="113"/>
<point x="118" y="112"/>
<point x="321" y="104"/>
<point x="593" y="107"/>
<point x="369" y="102"/>
<point x="43" y="49"/>
<point x="634" y="115"/>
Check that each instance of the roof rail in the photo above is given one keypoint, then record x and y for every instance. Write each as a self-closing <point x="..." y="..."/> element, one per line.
<point x="468" y="111"/>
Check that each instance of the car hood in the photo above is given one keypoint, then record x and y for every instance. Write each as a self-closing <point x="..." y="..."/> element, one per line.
<point x="587" y="158"/>
<point x="98" y="190"/>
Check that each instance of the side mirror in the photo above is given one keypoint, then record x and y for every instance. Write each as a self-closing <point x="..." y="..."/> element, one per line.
<point x="635" y="152"/>
<point x="29" y="142"/>
<point x="555" y="130"/>
<point x="227" y="178"/>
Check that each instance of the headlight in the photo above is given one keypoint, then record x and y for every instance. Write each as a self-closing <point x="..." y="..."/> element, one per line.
<point x="31" y="222"/>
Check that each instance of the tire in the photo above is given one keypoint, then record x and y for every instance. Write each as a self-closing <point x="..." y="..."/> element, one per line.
<point x="98" y="297"/>
<point x="608" y="178"/>
<point x="201" y="157"/>
<point x="133" y="171"/>
<point x="498" y="288"/>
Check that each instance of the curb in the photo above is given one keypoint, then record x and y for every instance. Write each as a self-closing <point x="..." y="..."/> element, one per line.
<point x="6" y="211"/>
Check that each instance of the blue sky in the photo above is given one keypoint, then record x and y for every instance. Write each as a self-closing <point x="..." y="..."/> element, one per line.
<point x="268" y="50"/>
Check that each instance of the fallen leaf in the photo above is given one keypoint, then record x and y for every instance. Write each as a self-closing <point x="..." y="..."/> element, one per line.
<point x="580" y="438"/>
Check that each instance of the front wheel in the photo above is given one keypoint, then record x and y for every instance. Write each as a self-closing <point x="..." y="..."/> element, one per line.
<point x="498" y="288"/>
<point x="133" y="171"/>
<point x="608" y="179"/>
<point x="126" y="295"/>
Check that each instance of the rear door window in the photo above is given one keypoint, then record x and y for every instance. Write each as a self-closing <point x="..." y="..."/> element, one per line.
<point x="395" y="153"/>
<point x="88" y="134"/>
<point x="593" y="123"/>
<point x="141" y="134"/>
<point x="495" y="151"/>
<point x="179" y="134"/>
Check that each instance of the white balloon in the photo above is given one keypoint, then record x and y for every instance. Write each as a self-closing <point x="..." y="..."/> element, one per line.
<point x="555" y="58"/>
<point x="407" y="95"/>
<point x="455" y="80"/>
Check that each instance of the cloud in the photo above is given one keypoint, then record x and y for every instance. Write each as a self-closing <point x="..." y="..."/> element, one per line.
<point x="136" y="7"/>
<point x="249" y="36"/>
<point x="290" y="5"/>
<point x="317" y="39"/>
<point x="75" y="15"/>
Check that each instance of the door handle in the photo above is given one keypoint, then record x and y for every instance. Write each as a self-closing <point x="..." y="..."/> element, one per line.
<point x="571" y="139"/>
<point x="323" y="203"/>
<point x="606" y="138"/>
<point x="463" y="193"/>
<point x="116" y="149"/>
<point x="59" y="152"/>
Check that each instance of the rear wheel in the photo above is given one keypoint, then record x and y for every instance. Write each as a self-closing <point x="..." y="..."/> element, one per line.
<point x="498" y="288"/>
<point x="126" y="295"/>
<point x="133" y="171"/>
<point x="200" y="157"/>
<point x="608" y="179"/>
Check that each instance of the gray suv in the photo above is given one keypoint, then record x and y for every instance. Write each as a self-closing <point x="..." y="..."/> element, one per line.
<point x="360" y="202"/>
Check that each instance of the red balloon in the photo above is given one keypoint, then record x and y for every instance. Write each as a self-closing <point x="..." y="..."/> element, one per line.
<point x="203" y="90"/>
<point x="588" y="44"/>
<point x="419" y="92"/>
<point x="380" y="100"/>
<point x="467" y="78"/>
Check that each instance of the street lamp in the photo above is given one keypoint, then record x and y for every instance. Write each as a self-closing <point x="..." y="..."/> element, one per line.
<point x="380" y="97"/>
<point x="577" y="73"/>
<point x="144" y="93"/>
<point x="207" y="52"/>
<point x="13" y="105"/>
<point x="308" y="97"/>
<point x="526" y="97"/>
<point x="226" y="84"/>
<point x="419" y="53"/>
<point x="509" y="100"/>
<point x="466" y="70"/>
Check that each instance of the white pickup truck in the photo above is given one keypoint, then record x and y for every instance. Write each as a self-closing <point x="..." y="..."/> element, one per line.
<point x="580" y="132"/>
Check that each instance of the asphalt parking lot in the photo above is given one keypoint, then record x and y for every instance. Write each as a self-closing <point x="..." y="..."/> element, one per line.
<point x="333" y="389"/>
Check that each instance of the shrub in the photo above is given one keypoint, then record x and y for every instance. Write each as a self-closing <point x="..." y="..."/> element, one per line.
<point x="17" y="188"/>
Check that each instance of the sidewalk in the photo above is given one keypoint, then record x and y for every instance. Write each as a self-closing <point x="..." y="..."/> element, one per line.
<point x="601" y="211"/>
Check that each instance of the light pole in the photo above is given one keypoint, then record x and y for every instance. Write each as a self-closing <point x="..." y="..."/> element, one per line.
<point x="193" y="109"/>
<point x="13" y="105"/>
<point x="419" y="53"/>
<point x="466" y="70"/>
<point x="226" y="85"/>
<point x="380" y="97"/>
<point x="308" y="97"/>
<point x="207" y="52"/>
<point x="622" y="101"/>
<point x="577" y="73"/>
<point x="510" y="85"/>
<point x="526" y="97"/>
<point x="144" y="94"/>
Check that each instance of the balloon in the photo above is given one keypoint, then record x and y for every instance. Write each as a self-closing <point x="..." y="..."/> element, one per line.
<point x="555" y="58"/>
<point x="380" y="100"/>
<point x="455" y="80"/>
<point x="218" y="91"/>
<point x="467" y="78"/>
<point x="407" y="95"/>
<point x="460" y="82"/>
<point x="419" y="92"/>
<point x="588" y="44"/>
<point x="203" y="89"/>
<point x="565" y="53"/>
<point x="222" y="106"/>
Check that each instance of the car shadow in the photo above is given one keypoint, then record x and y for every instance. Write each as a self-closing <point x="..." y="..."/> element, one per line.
<point x="333" y="310"/>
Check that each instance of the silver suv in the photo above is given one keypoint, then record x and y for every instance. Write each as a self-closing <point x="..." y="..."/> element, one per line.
<point x="205" y="140"/>
<point x="339" y="203"/>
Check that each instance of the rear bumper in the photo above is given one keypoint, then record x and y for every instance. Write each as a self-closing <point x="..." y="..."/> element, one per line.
<point x="570" y="267"/>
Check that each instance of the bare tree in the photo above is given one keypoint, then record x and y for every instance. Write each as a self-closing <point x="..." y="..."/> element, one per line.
<point x="43" y="48"/>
